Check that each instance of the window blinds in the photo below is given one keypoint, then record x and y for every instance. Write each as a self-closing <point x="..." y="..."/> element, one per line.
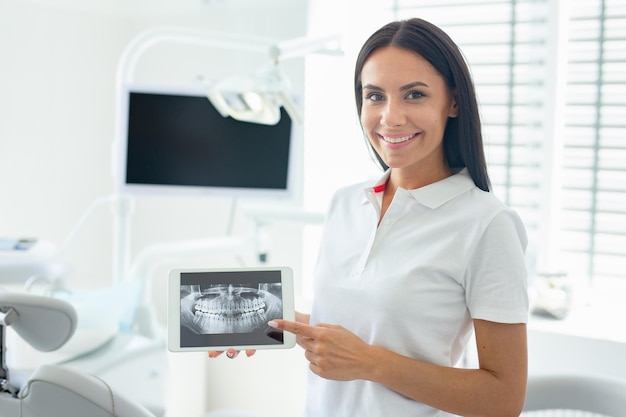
<point x="594" y="158"/>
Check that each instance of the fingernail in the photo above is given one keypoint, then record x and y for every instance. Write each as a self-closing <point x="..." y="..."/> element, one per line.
<point x="273" y="324"/>
<point x="230" y="354"/>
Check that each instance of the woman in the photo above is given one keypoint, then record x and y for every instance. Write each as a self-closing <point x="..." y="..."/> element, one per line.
<point x="410" y="266"/>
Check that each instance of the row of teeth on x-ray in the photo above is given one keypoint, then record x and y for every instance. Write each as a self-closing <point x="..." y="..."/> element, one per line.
<point x="230" y="308"/>
<point x="234" y="309"/>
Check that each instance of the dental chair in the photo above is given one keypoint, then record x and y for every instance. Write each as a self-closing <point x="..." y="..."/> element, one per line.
<point x="47" y="324"/>
<point x="116" y="339"/>
<point x="575" y="396"/>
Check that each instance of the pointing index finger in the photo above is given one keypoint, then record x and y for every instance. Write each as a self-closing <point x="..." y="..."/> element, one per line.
<point x="293" y="327"/>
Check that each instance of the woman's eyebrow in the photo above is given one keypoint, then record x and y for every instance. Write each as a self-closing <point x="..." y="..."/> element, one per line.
<point x="403" y="88"/>
<point x="413" y="85"/>
<point x="372" y="87"/>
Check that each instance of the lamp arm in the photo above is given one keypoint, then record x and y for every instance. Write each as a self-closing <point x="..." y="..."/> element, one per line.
<point x="276" y="50"/>
<point x="298" y="47"/>
<point x="147" y="39"/>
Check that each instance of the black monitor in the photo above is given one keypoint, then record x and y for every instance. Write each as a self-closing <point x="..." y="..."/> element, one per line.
<point x="173" y="140"/>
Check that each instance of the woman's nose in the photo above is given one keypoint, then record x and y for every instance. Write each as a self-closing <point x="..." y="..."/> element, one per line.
<point x="392" y="115"/>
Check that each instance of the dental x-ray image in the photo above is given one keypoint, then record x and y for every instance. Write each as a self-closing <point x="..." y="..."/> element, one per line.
<point x="228" y="308"/>
<point x="229" y="312"/>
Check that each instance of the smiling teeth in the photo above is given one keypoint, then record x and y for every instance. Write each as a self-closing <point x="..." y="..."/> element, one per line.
<point x="397" y="140"/>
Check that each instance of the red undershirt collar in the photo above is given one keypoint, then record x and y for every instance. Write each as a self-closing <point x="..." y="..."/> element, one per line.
<point x="380" y="188"/>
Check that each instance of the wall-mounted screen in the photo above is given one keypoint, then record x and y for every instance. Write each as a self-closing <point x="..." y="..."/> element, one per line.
<point x="175" y="141"/>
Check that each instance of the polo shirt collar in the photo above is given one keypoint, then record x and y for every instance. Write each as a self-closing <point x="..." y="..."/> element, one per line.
<point x="433" y="195"/>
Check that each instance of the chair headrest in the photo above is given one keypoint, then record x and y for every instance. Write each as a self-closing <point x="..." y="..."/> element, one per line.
<point x="45" y="323"/>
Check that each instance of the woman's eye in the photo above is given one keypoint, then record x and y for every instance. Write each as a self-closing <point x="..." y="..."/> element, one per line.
<point x="414" y="95"/>
<point x="374" y="97"/>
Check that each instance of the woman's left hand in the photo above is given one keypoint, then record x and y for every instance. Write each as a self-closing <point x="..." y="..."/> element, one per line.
<point x="332" y="351"/>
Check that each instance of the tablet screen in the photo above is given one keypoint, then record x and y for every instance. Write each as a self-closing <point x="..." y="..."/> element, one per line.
<point x="220" y="309"/>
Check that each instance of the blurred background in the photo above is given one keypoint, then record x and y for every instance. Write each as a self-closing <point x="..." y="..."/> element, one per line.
<point x="550" y="77"/>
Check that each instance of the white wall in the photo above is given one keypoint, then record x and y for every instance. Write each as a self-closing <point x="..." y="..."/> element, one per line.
<point x="57" y="115"/>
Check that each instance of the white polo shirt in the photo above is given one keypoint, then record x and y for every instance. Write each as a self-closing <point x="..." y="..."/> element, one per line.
<point x="442" y="255"/>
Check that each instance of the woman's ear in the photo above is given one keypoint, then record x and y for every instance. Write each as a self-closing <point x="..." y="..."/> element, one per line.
<point x="454" y="110"/>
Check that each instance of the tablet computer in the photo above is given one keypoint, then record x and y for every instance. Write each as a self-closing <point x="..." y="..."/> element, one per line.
<point x="217" y="309"/>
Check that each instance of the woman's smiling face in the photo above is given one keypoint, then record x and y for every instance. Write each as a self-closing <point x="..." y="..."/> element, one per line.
<point x="406" y="105"/>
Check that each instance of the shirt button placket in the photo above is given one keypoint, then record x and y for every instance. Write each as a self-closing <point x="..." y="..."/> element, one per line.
<point x="360" y="266"/>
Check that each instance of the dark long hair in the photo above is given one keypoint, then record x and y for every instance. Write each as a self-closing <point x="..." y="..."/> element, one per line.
<point x="462" y="139"/>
